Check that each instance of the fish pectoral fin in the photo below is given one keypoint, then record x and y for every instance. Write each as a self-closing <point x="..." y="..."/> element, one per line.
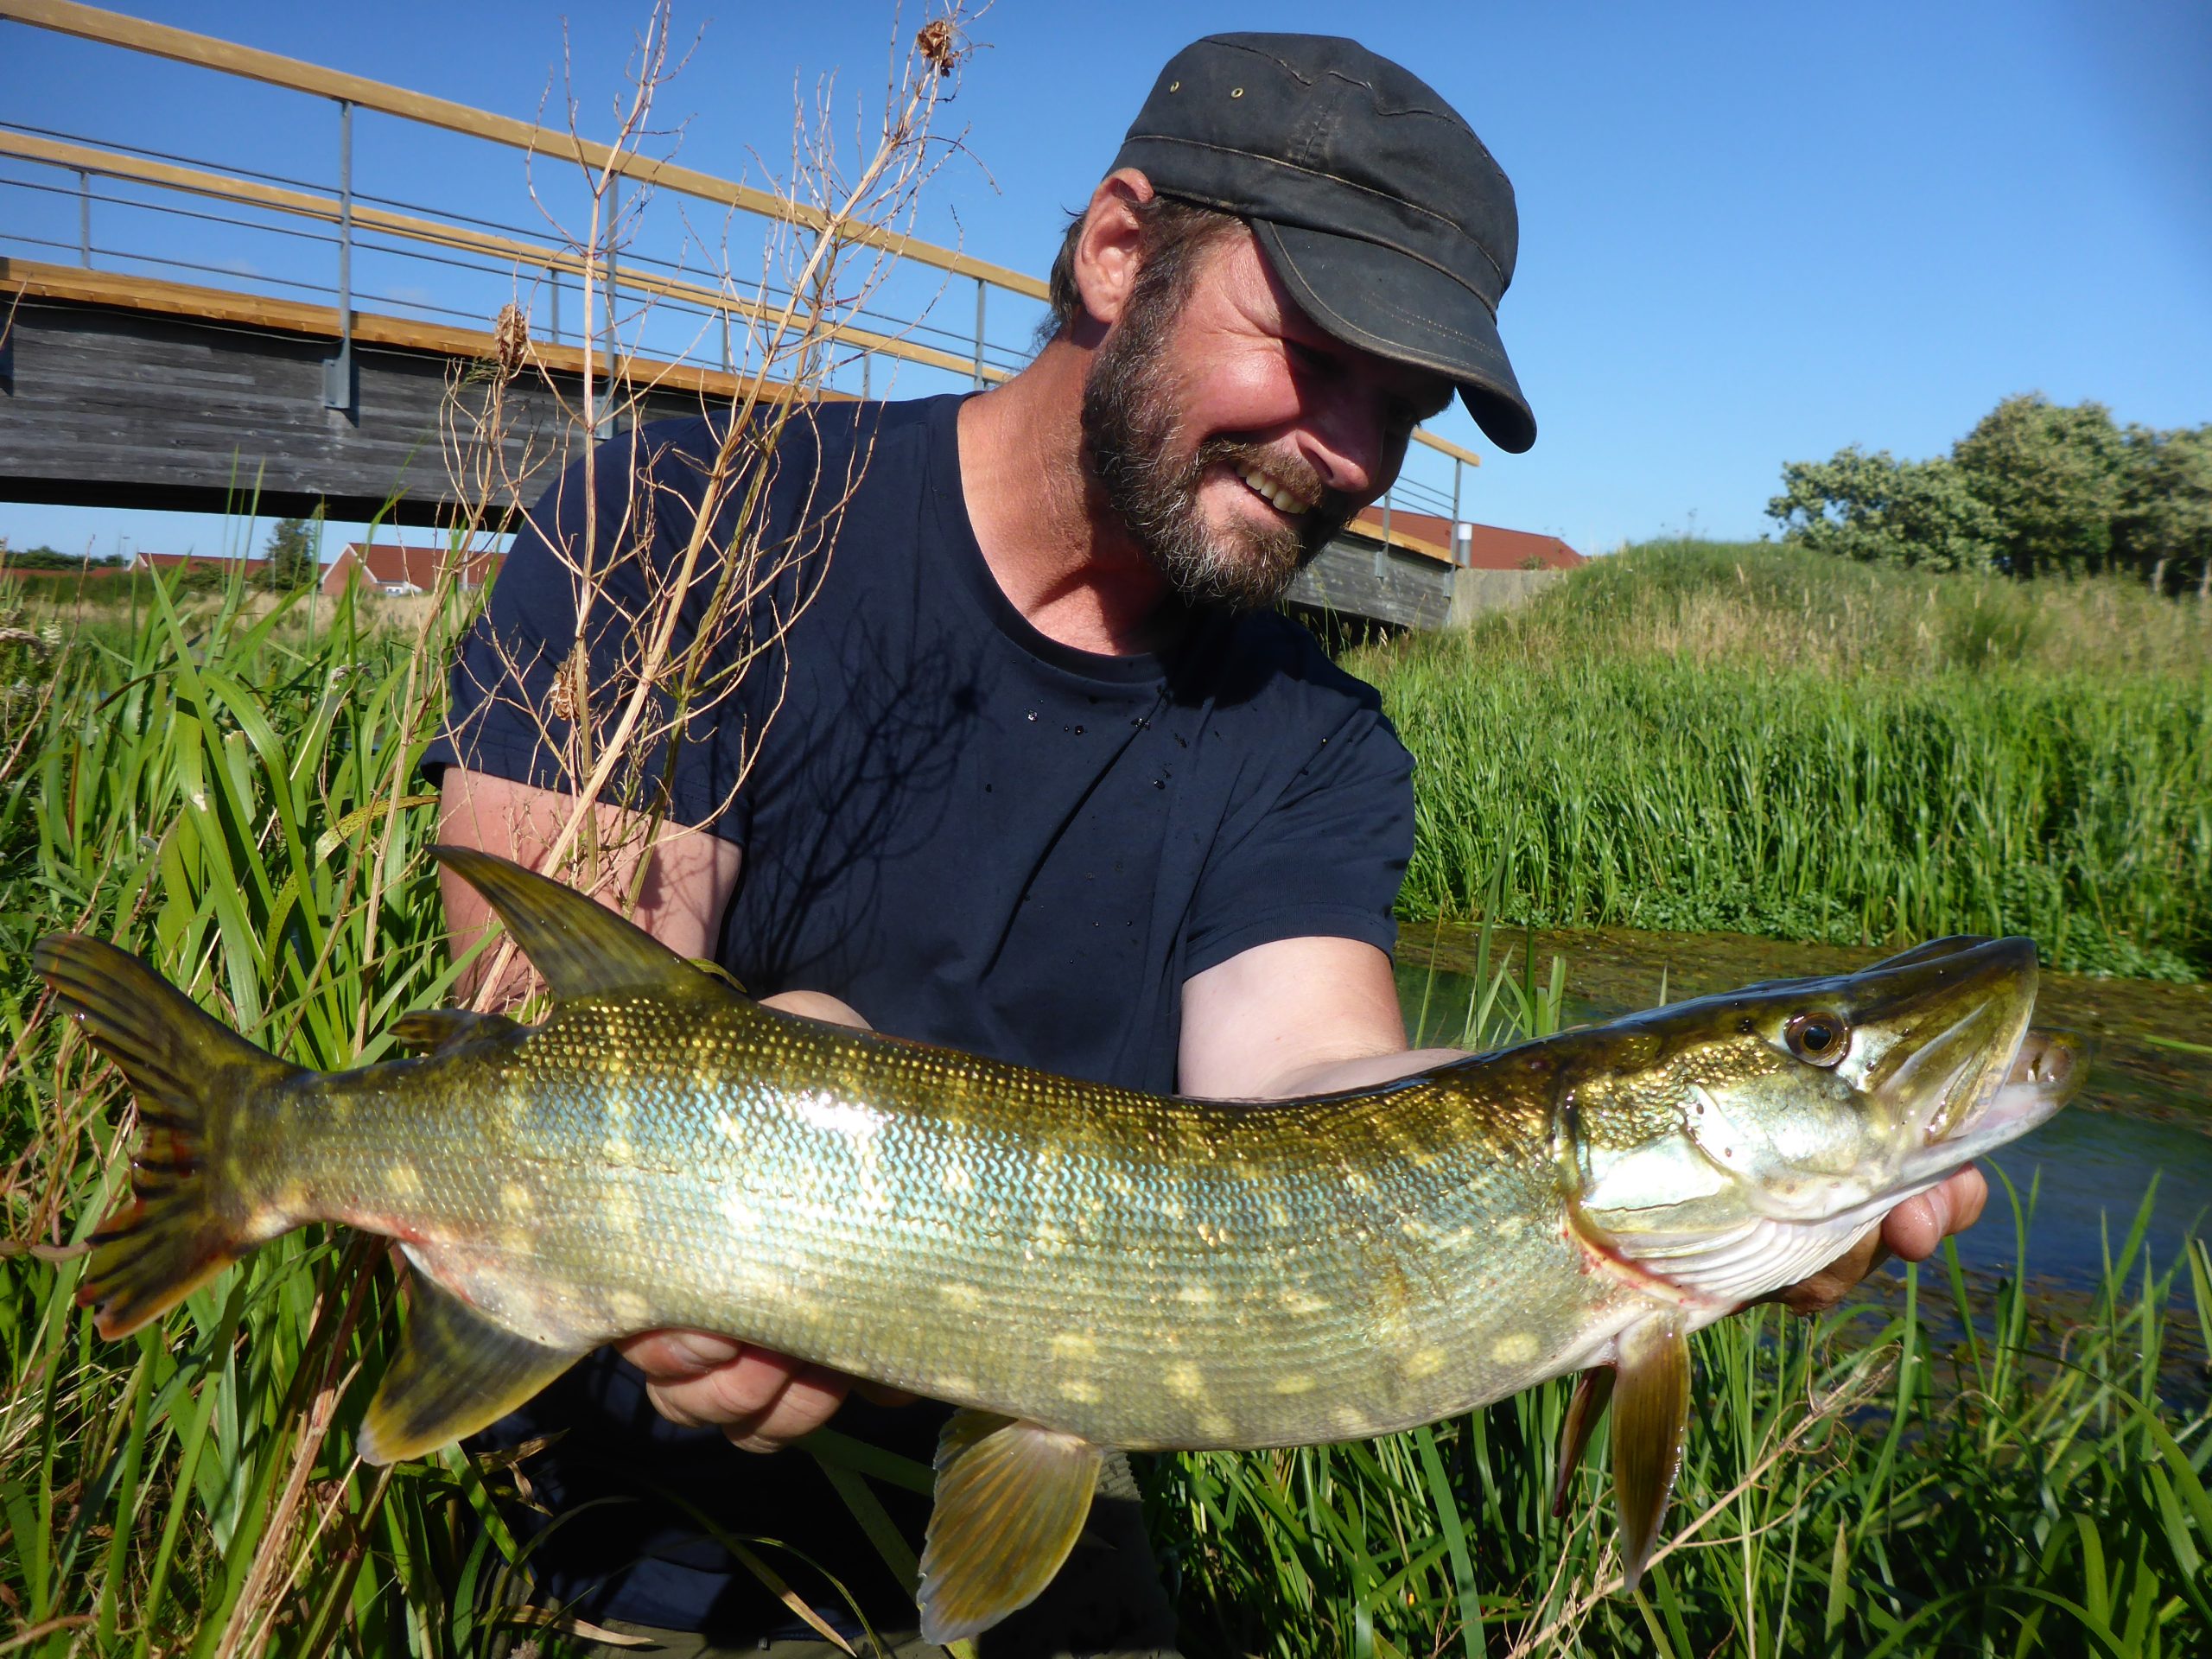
<point x="1651" y="1415"/>
<point x="1591" y="1391"/>
<point x="455" y="1372"/>
<point x="583" y="948"/>
<point x="1011" y="1500"/>
<point x="433" y="1030"/>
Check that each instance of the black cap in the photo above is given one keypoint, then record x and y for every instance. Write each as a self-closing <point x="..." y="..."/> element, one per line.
<point x="1374" y="201"/>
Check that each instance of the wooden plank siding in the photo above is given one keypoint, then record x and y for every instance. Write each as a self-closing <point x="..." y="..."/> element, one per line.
<point x="146" y="405"/>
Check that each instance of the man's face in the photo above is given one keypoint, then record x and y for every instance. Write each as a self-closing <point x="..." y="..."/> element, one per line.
<point x="1232" y="437"/>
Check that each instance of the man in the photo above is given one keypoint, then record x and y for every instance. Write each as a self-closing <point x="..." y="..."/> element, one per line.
<point x="1030" y="772"/>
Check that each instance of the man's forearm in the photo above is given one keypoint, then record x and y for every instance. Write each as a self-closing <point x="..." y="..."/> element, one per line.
<point x="1362" y="1071"/>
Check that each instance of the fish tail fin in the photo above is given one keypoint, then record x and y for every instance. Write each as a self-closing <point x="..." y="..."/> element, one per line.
<point x="185" y="1220"/>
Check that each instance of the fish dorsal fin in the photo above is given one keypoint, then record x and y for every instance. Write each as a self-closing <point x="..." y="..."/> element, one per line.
<point x="583" y="948"/>
<point x="1651" y="1415"/>
<point x="1591" y="1391"/>
<point x="455" y="1372"/>
<point x="436" y="1031"/>
<point x="1011" y="1500"/>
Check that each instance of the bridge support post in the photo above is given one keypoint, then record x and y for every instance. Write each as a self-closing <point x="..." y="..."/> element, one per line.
<point x="982" y="289"/>
<point x="338" y="381"/>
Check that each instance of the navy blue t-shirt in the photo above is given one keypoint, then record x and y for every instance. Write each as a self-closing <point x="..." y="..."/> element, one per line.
<point x="973" y="833"/>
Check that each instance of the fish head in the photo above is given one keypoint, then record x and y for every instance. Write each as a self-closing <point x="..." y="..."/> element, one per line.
<point x="1733" y="1145"/>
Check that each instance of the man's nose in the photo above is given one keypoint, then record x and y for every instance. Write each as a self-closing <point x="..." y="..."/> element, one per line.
<point x="1349" y="445"/>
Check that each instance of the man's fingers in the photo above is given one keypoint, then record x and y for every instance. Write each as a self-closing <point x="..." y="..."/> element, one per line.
<point x="1915" y="1227"/>
<point x="759" y="1399"/>
<point x="809" y="1399"/>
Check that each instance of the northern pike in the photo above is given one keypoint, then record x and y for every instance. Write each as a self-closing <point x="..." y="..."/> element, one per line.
<point x="1075" y="1267"/>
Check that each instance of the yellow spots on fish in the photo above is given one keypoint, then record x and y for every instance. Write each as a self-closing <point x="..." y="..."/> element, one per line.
<point x="1277" y="1214"/>
<point x="956" y="1178"/>
<point x="960" y="1294"/>
<point x="630" y="1310"/>
<point x="401" y="1181"/>
<point x="953" y="1384"/>
<point x="1293" y="1383"/>
<point x="1303" y="1304"/>
<point x="617" y="1208"/>
<point x="1357" y="1180"/>
<point x="1215" y="1426"/>
<point x="1515" y="1350"/>
<point x="1424" y="1363"/>
<point x="516" y="1200"/>
<point x="726" y="1127"/>
<point x="1081" y="1389"/>
<point x="1073" y="1344"/>
<point x="618" y="1147"/>
<point x="1184" y="1380"/>
<point x="1195" y="1294"/>
<point x="1348" y="1420"/>
<point x="743" y="1218"/>
<point x="1171" y="1207"/>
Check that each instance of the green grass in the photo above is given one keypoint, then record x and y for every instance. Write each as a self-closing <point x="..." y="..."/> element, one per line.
<point x="1763" y="740"/>
<point x="234" y="795"/>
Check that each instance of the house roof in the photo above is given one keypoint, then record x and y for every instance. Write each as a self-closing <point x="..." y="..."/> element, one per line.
<point x="1486" y="547"/>
<point x="222" y="562"/>
<point x="394" y="564"/>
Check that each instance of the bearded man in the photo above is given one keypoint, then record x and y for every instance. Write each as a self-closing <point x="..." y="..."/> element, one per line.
<point x="1029" y="768"/>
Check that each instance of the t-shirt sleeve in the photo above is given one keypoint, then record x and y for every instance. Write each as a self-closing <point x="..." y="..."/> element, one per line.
<point x="518" y="687"/>
<point x="1324" y="856"/>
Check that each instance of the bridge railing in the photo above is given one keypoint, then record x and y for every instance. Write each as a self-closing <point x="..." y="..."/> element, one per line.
<point x="78" y="197"/>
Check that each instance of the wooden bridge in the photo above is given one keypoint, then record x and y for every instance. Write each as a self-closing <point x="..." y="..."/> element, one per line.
<point x="122" y="385"/>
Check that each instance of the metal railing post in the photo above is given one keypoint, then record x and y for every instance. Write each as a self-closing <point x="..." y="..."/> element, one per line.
<point x="606" y="297"/>
<point x="1383" y="553"/>
<point x="553" y="282"/>
<point x="84" y="219"/>
<point x="338" y="371"/>
<point x="1458" y="468"/>
<point x="982" y="289"/>
<point x="868" y="361"/>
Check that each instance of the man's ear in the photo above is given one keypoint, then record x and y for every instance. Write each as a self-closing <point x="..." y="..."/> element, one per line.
<point x="1111" y="246"/>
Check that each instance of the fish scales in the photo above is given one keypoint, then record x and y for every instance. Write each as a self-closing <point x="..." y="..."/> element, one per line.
<point x="896" y="1212"/>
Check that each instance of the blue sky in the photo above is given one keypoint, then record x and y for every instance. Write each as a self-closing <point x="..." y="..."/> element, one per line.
<point x="1749" y="233"/>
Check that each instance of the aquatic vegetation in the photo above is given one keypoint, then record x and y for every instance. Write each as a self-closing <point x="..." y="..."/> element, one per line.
<point x="1760" y="740"/>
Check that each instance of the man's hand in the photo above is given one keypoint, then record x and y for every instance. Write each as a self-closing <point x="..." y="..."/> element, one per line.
<point x="1911" y="1230"/>
<point x="761" y="1399"/>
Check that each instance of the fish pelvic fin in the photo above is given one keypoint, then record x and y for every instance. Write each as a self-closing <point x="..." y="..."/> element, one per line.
<point x="186" y="1219"/>
<point x="1011" y="1501"/>
<point x="455" y="1372"/>
<point x="583" y="948"/>
<point x="1591" y="1391"/>
<point x="1651" y="1416"/>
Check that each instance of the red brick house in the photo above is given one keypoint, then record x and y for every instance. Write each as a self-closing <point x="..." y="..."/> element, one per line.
<point x="396" y="570"/>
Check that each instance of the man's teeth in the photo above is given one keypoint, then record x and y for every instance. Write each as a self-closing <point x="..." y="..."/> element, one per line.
<point x="1282" y="501"/>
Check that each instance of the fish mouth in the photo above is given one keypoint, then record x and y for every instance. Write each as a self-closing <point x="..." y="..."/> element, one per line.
<point x="2046" y="1070"/>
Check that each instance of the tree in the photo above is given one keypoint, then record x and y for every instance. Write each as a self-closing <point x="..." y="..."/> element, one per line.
<point x="2051" y="474"/>
<point x="1881" y="510"/>
<point x="294" y="557"/>
<point x="2163" y="527"/>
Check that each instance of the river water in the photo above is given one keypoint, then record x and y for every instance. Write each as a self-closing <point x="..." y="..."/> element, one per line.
<point x="2145" y="1111"/>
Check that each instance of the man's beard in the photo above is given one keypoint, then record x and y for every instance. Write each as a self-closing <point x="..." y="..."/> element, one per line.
<point x="1129" y="438"/>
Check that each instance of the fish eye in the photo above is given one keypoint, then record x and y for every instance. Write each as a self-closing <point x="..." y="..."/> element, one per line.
<point x="1818" y="1037"/>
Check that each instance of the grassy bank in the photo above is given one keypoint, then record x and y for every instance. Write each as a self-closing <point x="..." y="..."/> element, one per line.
<point x="1758" y="739"/>
<point x="234" y="795"/>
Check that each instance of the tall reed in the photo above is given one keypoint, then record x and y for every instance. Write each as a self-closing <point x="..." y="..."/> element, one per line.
<point x="1667" y="742"/>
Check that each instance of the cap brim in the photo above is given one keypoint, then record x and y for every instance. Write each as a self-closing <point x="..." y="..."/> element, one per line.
<point x="1381" y="301"/>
